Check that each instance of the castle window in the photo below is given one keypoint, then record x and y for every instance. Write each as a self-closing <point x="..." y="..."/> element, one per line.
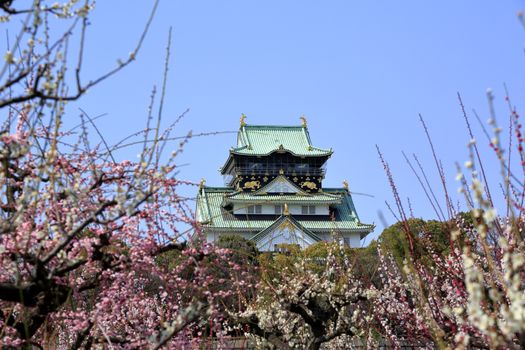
<point x="255" y="166"/>
<point x="308" y="209"/>
<point x="278" y="209"/>
<point x="302" y="167"/>
<point x="254" y="209"/>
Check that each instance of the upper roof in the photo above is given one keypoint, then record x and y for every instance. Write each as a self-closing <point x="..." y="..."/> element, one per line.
<point x="261" y="140"/>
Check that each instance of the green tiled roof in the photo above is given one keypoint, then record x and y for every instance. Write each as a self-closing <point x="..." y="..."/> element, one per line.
<point x="212" y="214"/>
<point x="317" y="198"/>
<point x="260" y="140"/>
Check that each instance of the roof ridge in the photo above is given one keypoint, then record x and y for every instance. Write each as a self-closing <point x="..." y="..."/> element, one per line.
<point x="307" y="135"/>
<point x="272" y="126"/>
<point x="244" y="138"/>
<point x="207" y="205"/>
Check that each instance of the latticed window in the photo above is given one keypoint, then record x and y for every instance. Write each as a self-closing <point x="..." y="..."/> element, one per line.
<point x="255" y="209"/>
<point x="308" y="209"/>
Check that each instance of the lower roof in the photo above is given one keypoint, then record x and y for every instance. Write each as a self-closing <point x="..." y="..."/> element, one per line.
<point x="213" y="216"/>
<point x="317" y="198"/>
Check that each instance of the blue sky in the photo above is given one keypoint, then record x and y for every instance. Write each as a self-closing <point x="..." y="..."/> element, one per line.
<point x="360" y="71"/>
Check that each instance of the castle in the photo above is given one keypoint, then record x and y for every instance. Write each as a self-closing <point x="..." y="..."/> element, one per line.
<point x="274" y="192"/>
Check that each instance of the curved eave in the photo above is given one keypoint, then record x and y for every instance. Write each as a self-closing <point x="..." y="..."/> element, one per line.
<point x="363" y="230"/>
<point x="226" y="163"/>
<point x="328" y="154"/>
<point x="291" y="195"/>
<point x="322" y="152"/>
<point x="263" y="200"/>
<point x="272" y="197"/>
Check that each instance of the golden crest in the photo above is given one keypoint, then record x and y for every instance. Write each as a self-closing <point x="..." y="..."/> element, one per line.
<point x="265" y="178"/>
<point x="309" y="185"/>
<point x="252" y="185"/>
<point x="304" y="121"/>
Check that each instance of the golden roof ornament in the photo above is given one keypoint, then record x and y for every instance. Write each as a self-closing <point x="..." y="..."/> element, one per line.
<point x="243" y="120"/>
<point x="346" y="187"/>
<point x="305" y="122"/>
<point x="202" y="183"/>
<point x="286" y="211"/>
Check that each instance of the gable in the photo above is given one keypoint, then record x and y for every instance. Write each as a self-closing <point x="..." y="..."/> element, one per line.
<point x="284" y="233"/>
<point x="281" y="185"/>
<point x="285" y="230"/>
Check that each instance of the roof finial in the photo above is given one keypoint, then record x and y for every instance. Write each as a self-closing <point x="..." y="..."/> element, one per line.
<point x="202" y="183"/>
<point x="305" y="122"/>
<point x="286" y="211"/>
<point x="243" y="120"/>
<point x="345" y="185"/>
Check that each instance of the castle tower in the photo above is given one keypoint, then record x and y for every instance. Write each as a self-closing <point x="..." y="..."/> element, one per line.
<point x="274" y="192"/>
